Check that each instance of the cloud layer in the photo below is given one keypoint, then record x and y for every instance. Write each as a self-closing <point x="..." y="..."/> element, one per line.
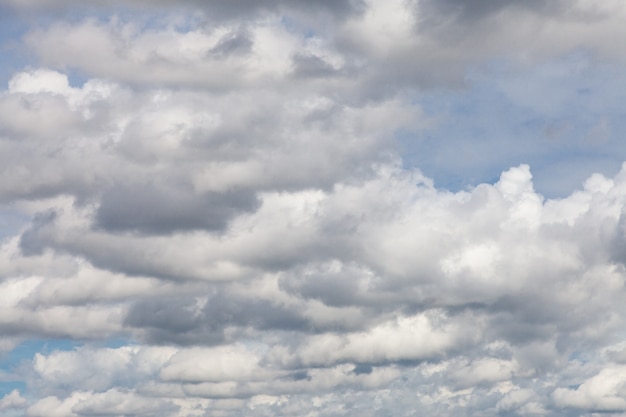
<point x="214" y="204"/>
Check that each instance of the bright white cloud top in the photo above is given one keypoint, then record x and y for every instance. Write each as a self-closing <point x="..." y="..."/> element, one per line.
<point x="312" y="208"/>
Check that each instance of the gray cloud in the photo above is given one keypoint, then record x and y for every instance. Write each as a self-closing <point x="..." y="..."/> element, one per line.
<point x="381" y="56"/>
<point x="187" y="320"/>
<point x="30" y="241"/>
<point x="477" y="9"/>
<point x="161" y="209"/>
<point x="174" y="320"/>
<point x="215" y="9"/>
<point x="333" y="289"/>
<point x="312" y="66"/>
<point x="234" y="43"/>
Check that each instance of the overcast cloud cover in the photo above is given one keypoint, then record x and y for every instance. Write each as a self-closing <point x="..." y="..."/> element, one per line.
<point x="312" y="208"/>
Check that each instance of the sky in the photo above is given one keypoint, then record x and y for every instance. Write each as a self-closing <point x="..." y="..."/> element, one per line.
<point x="322" y="208"/>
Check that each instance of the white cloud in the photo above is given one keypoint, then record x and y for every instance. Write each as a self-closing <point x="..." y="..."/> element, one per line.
<point x="230" y="363"/>
<point x="425" y="336"/>
<point x="53" y="407"/>
<point x="99" y="369"/>
<point x="116" y="402"/>
<point x="485" y="370"/>
<point x="603" y="392"/>
<point x="12" y="400"/>
<point x="197" y="57"/>
<point x="515" y="398"/>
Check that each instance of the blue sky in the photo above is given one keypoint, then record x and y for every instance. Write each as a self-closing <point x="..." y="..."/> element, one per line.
<point x="296" y="208"/>
<point x="562" y="117"/>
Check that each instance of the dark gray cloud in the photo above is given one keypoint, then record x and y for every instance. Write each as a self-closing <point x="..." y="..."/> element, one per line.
<point x="618" y="240"/>
<point x="204" y="319"/>
<point x="214" y="9"/>
<point x="239" y="7"/>
<point x="471" y="10"/>
<point x="233" y="43"/>
<point x="31" y="242"/>
<point x="173" y="320"/>
<point x="311" y="66"/>
<point x="160" y="209"/>
<point x="340" y="289"/>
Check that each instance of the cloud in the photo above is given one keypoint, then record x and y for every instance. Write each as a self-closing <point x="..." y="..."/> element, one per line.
<point x="192" y="58"/>
<point x="98" y="369"/>
<point x="600" y="393"/>
<point x="212" y="365"/>
<point x="12" y="400"/>
<point x="221" y="145"/>
<point x="112" y="402"/>
<point x="154" y="210"/>
<point x="379" y="45"/>
<point x="403" y="339"/>
<point x="445" y="299"/>
<point x="215" y="208"/>
<point x="480" y="9"/>
<point x="216" y="9"/>
<point x="489" y="260"/>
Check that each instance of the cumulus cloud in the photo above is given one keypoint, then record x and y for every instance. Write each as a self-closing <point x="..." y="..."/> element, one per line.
<point x="508" y="290"/>
<point x="403" y="339"/>
<point x="216" y="211"/>
<point x="12" y="400"/>
<point x="603" y="392"/>
<point x="376" y="49"/>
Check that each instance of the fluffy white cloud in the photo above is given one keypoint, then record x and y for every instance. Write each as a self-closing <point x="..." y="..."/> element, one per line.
<point x="12" y="400"/>
<point x="99" y="369"/>
<point x="603" y="392"/>
<point x="111" y="402"/>
<point x="420" y="337"/>
<point x="217" y="364"/>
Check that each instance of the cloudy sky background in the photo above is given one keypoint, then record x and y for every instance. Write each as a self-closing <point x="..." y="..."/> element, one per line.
<point x="312" y="208"/>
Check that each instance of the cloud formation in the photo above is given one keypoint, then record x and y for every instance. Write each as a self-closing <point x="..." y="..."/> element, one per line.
<point x="212" y="203"/>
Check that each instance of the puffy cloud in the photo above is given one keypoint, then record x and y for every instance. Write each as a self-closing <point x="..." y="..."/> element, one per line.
<point x="484" y="370"/>
<point x="115" y="402"/>
<point x="99" y="369"/>
<point x="112" y="402"/>
<point x="217" y="364"/>
<point x="453" y="305"/>
<point x="224" y="197"/>
<point x="414" y="338"/>
<point x="12" y="400"/>
<point x="603" y="392"/>
<point x="521" y="399"/>
<point x="375" y="48"/>
<point x="190" y="58"/>
<point x="521" y="244"/>
<point x="214" y="151"/>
